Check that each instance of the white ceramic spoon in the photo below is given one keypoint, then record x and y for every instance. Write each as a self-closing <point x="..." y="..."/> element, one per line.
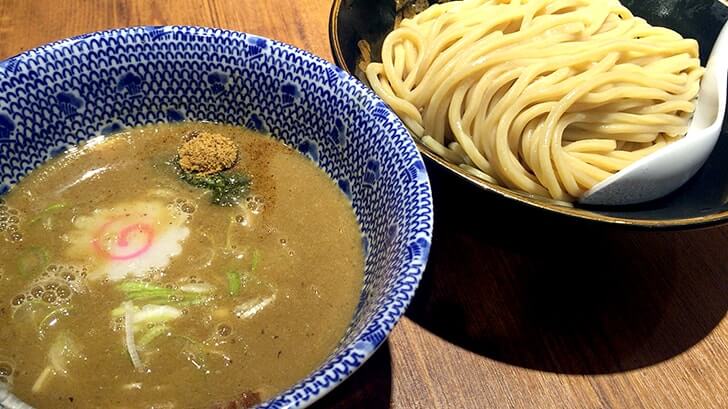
<point x="664" y="171"/>
<point x="10" y="401"/>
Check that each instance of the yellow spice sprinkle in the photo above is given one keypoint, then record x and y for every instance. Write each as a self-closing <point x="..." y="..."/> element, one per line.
<point x="207" y="153"/>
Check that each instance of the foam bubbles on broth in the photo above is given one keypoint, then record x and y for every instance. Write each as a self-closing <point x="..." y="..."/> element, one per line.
<point x="10" y="222"/>
<point x="55" y="286"/>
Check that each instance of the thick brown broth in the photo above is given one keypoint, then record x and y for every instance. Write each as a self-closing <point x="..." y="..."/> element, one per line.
<point x="259" y="294"/>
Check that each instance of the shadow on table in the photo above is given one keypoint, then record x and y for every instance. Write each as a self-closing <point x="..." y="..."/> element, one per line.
<point x="370" y="387"/>
<point x="540" y="291"/>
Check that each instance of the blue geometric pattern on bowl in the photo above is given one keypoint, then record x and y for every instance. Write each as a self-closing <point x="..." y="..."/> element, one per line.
<point x="69" y="91"/>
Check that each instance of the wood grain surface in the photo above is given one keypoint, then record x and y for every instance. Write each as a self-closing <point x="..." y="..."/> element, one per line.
<point x="517" y="309"/>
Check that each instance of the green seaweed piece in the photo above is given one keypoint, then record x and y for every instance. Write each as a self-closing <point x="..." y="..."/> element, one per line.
<point x="228" y="188"/>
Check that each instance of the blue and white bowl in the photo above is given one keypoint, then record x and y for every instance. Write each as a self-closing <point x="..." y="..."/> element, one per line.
<point x="57" y="95"/>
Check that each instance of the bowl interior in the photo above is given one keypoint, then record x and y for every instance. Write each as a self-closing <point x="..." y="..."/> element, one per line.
<point x="55" y="96"/>
<point x="702" y="201"/>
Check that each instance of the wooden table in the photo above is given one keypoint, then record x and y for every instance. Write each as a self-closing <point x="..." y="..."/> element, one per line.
<point x="508" y="315"/>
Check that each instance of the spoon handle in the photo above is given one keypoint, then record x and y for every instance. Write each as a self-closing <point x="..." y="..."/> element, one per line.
<point x="712" y="96"/>
<point x="10" y="401"/>
<point x="718" y="61"/>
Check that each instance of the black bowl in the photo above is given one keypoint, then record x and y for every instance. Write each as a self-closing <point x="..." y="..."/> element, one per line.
<point x="701" y="202"/>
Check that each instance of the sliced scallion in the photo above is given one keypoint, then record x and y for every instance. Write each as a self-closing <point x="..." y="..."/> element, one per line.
<point x="234" y="283"/>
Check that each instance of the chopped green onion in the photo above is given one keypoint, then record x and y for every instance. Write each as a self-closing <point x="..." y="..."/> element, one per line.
<point x="190" y="294"/>
<point x="118" y="312"/>
<point x="140" y="291"/>
<point x="152" y="334"/>
<point x="132" y="386"/>
<point x="54" y="207"/>
<point x="41" y="379"/>
<point x="197" y="288"/>
<point x="253" y="306"/>
<point x="32" y="261"/>
<point x="129" y="336"/>
<point x="154" y="314"/>
<point x="234" y="283"/>
<point x="149" y="314"/>
<point x="256" y="260"/>
<point x="46" y="213"/>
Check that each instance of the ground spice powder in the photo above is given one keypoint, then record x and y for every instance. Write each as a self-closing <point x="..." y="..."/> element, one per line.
<point x="206" y="153"/>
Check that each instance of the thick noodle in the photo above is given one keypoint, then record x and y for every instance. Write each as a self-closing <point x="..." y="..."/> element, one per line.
<point x="549" y="97"/>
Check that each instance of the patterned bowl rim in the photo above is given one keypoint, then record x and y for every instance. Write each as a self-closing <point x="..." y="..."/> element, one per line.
<point x="352" y="356"/>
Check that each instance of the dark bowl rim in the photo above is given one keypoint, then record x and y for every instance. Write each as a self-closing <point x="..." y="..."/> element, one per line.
<point x="591" y="216"/>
